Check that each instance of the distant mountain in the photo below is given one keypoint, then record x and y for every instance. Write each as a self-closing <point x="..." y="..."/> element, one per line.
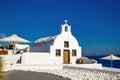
<point x="96" y="54"/>
<point x="89" y="54"/>
<point x="2" y="36"/>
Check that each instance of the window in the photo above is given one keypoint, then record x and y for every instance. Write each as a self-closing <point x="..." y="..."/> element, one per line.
<point x="66" y="28"/>
<point x="66" y="44"/>
<point x="58" y="52"/>
<point x="74" y="53"/>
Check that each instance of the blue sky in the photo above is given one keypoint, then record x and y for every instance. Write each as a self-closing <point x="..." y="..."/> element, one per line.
<point x="95" y="23"/>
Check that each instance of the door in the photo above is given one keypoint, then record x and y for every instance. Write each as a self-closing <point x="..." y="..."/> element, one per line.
<point x="66" y="57"/>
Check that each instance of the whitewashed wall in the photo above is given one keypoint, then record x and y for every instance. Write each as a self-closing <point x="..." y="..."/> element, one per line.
<point x="89" y="66"/>
<point x="37" y="58"/>
<point x="59" y="44"/>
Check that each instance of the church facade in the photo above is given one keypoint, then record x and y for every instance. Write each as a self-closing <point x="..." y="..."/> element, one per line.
<point x="59" y="49"/>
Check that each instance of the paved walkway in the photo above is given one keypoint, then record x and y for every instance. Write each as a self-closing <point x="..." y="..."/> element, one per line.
<point x="27" y="75"/>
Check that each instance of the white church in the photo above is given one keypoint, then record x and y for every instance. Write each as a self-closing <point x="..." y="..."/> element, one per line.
<point x="59" y="49"/>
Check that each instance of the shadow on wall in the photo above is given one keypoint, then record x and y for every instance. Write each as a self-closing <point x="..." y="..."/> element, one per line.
<point x="19" y="60"/>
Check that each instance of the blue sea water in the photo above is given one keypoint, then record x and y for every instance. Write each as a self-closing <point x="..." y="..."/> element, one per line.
<point x="105" y="63"/>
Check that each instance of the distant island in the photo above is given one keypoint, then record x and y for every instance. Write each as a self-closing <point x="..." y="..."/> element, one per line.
<point x="95" y="54"/>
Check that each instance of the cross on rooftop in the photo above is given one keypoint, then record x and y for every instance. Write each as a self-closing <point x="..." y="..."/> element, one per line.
<point x="66" y="21"/>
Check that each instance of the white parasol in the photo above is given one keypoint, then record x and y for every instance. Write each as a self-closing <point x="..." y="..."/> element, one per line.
<point x="111" y="58"/>
<point x="14" y="39"/>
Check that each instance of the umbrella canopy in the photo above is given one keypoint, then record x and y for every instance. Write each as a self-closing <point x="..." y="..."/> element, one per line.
<point x="111" y="58"/>
<point x="14" y="39"/>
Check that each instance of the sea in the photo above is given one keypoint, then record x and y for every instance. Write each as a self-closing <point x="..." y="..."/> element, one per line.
<point x="106" y="63"/>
